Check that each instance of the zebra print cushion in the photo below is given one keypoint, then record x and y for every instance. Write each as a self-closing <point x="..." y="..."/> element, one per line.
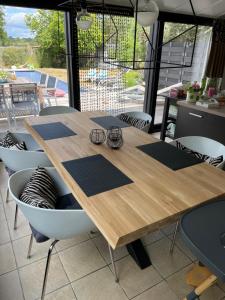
<point x="8" y="140"/>
<point x="19" y="146"/>
<point x="40" y="190"/>
<point x="214" y="161"/>
<point x="138" y="123"/>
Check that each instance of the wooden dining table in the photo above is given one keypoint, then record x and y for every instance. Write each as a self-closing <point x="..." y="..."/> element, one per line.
<point x="156" y="194"/>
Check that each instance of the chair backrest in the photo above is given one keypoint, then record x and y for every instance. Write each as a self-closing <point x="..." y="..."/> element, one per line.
<point x="21" y="159"/>
<point x="2" y="94"/>
<point x="24" y="137"/>
<point x="51" y="82"/>
<point x="55" y="224"/>
<point x="54" y="110"/>
<point x="43" y="78"/>
<point x="203" y="145"/>
<point x="21" y="92"/>
<point x="142" y="116"/>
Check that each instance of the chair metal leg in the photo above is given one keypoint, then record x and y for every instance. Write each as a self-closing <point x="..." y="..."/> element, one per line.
<point x="174" y="237"/>
<point x="15" y="218"/>
<point x="47" y="269"/>
<point x="7" y="196"/>
<point x="30" y="246"/>
<point x="113" y="263"/>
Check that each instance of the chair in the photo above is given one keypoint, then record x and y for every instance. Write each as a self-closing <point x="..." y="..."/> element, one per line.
<point x="141" y="116"/>
<point x="57" y="224"/>
<point x="203" y="231"/>
<point x="54" y="110"/>
<point x="202" y="145"/>
<point x="43" y="80"/>
<point x="24" y="99"/>
<point x="49" y="91"/>
<point x="16" y="160"/>
<point x="4" y="111"/>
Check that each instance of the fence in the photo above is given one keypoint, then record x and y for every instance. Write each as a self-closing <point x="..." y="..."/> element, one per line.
<point x="180" y="53"/>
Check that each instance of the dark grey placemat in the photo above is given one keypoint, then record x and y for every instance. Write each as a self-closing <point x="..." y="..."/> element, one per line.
<point x="95" y="174"/>
<point x="108" y="121"/>
<point x="54" y="130"/>
<point x="169" y="155"/>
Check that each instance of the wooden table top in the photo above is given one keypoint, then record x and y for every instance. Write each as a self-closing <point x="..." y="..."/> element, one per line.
<point x="158" y="194"/>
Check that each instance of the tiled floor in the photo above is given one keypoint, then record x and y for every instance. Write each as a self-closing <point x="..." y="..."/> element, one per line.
<point x="80" y="268"/>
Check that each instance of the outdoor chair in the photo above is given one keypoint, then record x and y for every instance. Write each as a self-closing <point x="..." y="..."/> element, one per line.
<point x="43" y="80"/>
<point x="57" y="224"/>
<point x="49" y="91"/>
<point x="15" y="160"/>
<point x="24" y="99"/>
<point x="201" y="145"/>
<point x="4" y="110"/>
<point x="54" y="110"/>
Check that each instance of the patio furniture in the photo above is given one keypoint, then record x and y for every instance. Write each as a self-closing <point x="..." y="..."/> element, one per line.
<point x="57" y="224"/>
<point x="15" y="160"/>
<point x="43" y="80"/>
<point x="49" y="91"/>
<point x="139" y="115"/>
<point x="24" y="99"/>
<point x="54" y="110"/>
<point x="201" y="145"/>
<point x="203" y="231"/>
<point x="4" y="111"/>
<point x="134" y="193"/>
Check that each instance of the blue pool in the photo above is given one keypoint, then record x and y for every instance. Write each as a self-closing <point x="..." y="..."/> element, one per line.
<point x="35" y="76"/>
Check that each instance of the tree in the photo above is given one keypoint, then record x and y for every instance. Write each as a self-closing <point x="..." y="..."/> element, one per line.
<point x="3" y="34"/>
<point x="48" y="27"/>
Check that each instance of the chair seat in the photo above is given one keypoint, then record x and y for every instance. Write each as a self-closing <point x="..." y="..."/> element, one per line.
<point x="203" y="230"/>
<point x="63" y="202"/>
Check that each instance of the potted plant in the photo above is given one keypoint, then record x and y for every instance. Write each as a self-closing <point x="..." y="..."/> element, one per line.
<point x="194" y="91"/>
<point x="4" y="76"/>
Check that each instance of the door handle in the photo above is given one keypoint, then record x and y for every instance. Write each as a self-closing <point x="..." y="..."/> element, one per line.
<point x="195" y="115"/>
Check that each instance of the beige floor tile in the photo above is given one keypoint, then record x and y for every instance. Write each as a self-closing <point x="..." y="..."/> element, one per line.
<point x="152" y="237"/>
<point x="177" y="283"/>
<point x="65" y="293"/>
<point x="183" y="247"/>
<point x="39" y="250"/>
<point x="134" y="280"/>
<point x="103" y="248"/>
<point x="10" y="288"/>
<point x="99" y="285"/>
<point x="166" y="263"/>
<point x="7" y="259"/>
<point x="62" y="245"/>
<point x="23" y="228"/>
<point x="159" y="292"/>
<point x="81" y="260"/>
<point x="32" y="277"/>
<point x="4" y="234"/>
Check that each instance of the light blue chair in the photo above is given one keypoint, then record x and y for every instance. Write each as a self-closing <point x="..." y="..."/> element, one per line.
<point x="56" y="224"/>
<point x="16" y="160"/>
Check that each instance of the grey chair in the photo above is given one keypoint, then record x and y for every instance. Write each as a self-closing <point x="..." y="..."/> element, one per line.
<point x="24" y="99"/>
<point x="49" y="91"/>
<point x="57" y="224"/>
<point x="142" y="116"/>
<point x="203" y="231"/>
<point x="15" y="160"/>
<point x="43" y="79"/>
<point x="54" y="110"/>
<point x="4" y="110"/>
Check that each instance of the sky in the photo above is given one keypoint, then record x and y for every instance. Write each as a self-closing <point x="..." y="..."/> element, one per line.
<point x="15" y="23"/>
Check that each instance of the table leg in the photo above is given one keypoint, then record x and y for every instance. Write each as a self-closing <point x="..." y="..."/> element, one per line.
<point x="139" y="254"/>
<point x="165" y="118"/>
